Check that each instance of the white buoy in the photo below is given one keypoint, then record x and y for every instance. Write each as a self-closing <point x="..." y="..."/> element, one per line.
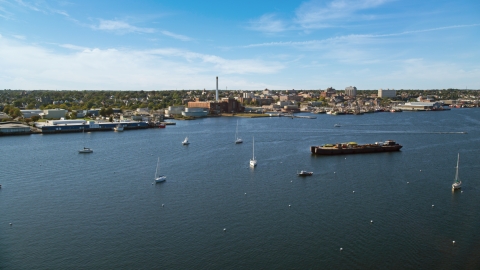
<point x="245" y="193"/>
<point x="354" y="191"/>
<point x="453" y="242"/>
<point x="289" y="205"/>
<point x="461" y="191"/>
<point x="433" y="205"/>
<point x="341" y="249"/>
<point x="224" y="229"/>
<point x="420" y="170"/>
<point x="371" y="221"/>
<point x="163" y="205"/>
<point x="408" y="182"/>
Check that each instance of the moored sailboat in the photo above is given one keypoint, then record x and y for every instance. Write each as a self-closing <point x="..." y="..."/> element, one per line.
<point x="457" y="184"/>
<point x="237" y="139"/>
<point x="253" y="161"/>
<point x="159" y="178"/>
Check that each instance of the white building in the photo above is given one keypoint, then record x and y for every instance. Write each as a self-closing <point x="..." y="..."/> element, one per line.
<point x="172" y="110"/>
<point x="53" y="113"/>
<point x="195" y="112"/>
<point x="386" y="93"/>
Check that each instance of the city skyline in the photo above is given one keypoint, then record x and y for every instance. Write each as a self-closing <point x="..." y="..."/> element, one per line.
<point x="175" y="45"/>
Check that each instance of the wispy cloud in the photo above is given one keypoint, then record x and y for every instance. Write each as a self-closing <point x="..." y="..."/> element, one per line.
<point x="353" y="38"/>
<point x="35" y="67"/>
<point x="315" y="14"/>
<point x="175" y="36"/>
<point x="120" y="26"/>
<point x="267" y="23"/>
<point x="5" y="14"/>
<point x="42" y="7"/>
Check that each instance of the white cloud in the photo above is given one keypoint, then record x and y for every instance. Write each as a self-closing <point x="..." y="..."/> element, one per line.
<point x="26" y="66"/>
<point x="267" y="23"/>
<point x="74" y="47"/>
<point x="314" y="14"/>
<point x="120" y="26"/>
<point x="19" y="37"/>
<point x="176" y="36"/>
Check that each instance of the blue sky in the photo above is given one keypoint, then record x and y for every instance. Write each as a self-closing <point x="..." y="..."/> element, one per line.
<point x="162" y="45"/>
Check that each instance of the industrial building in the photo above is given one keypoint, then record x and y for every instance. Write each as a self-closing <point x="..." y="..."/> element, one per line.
<point x="421" y="106"/>
<point x="14" y="128"/>
<point x="61" y="126"/>
<point x="195" y="112"/>
<point x="226" y="105"/>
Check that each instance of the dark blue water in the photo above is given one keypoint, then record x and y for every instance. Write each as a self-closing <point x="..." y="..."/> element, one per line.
<point x="101" y="210"/>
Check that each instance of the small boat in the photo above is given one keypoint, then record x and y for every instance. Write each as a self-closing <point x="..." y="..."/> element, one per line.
<point x="85" y="150"/>
<point x="457" y="184"/>
<point x="161" y="125"/>
<point x="253" y="161"/>
<point x="237" y="139"/>
<point x="186" y="142"/>
<point x="304" y="173"/>
<point x="159" y="178"/>
<point x="337" y="125"/>
<point x="118" y="128"/>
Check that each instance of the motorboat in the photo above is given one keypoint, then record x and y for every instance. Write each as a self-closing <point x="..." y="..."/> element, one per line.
<point x="118" y="128"/>
<point x="85" y="150"/>
<point x="304" y="173"/>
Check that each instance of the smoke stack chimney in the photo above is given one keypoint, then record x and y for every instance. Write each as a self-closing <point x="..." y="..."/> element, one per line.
<point x="216" y="92"/>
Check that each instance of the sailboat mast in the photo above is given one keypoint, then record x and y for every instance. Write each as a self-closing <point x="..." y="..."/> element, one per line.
<point x="253" y="146"/>
<point x="456" y="174"/>
<point x="156" y="170"/>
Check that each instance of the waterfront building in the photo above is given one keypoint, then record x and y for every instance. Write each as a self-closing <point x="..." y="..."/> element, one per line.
<point x="226" y="105"/>
<point x="13" y="128"/>
<point x="195" y="112"/>
<point x="78" y="125"/>
<point x="386" y="93"/>
<point x="351" y="91"/>
<point x="421" y="106"/>
<point x="174" y="110"/>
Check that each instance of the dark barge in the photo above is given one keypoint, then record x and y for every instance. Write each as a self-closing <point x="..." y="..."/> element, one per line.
<point x="354" y="148"/>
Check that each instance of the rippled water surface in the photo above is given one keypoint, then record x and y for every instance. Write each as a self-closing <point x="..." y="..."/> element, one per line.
<point x="101" y="210"/>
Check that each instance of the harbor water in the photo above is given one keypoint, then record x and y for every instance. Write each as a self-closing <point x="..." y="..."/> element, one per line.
<point x="65" y="210"/>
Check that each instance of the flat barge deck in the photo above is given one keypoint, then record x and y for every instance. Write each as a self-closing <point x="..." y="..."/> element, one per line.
<point x="354" y="148"/>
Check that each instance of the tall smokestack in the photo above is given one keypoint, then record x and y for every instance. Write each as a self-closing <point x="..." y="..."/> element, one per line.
<point x="216" y="92"/>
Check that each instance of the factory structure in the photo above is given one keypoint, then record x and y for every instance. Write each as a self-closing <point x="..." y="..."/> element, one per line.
<point x="225" y="105"/>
